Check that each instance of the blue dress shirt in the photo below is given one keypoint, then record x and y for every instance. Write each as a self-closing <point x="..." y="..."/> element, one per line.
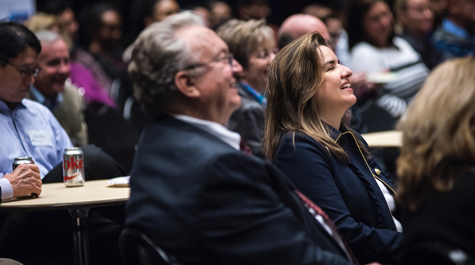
<point x="29" y="129"/>
<point x="52" y="103"/>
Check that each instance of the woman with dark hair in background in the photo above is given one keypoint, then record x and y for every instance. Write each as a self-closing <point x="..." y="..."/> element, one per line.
<point x="144" y="13"/>
<point x="306" y="136"/>
<point x="386" y="59"/>
<point x="436" y="167"/>
<point x="102" y="28"/>
<point x="108" y="128"/>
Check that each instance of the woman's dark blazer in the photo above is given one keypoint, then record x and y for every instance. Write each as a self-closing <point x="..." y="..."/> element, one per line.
<point x="347" y="192"/>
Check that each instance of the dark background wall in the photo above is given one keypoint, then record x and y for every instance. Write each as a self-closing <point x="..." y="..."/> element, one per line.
<point x="280" y="9"/>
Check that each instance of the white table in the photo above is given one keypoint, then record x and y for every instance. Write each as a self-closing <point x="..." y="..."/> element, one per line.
<point x="78" y="201"/>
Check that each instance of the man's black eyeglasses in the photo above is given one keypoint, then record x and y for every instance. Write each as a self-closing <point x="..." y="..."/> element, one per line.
<point x="25" y="73"/>
<point x="228" y="57"/>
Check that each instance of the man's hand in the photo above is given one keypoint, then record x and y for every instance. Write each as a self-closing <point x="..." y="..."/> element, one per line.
<point x="25" y="179"/>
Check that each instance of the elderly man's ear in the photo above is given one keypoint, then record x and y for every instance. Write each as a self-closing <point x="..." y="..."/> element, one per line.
<point x="186" y="84"/>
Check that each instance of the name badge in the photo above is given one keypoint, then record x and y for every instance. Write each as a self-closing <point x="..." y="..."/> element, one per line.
<point x="40" y="138"/>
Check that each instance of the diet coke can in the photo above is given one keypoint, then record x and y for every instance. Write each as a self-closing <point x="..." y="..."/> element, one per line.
<point x="22" y="160"/>
<point x="73" y="167"/>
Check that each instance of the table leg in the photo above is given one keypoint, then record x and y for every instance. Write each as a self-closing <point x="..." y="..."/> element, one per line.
<point x="80" y="235"/>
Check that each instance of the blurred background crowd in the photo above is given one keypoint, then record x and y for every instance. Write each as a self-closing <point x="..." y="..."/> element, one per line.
<point x="391" y="47"/>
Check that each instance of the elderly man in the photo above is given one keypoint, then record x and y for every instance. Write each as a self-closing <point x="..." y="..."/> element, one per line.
<point x="28" y="128"/>
<point x="192" y="191"/>
<point x="52" y="89"/>
<point x="298" y="25"/>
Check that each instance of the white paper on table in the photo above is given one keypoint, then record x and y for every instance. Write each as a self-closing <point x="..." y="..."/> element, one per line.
<point x="119" y="182"/>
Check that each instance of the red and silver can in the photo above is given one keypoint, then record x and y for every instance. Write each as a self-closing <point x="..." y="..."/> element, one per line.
<point x="73" y="167"/>
<point x="22" y="160"/>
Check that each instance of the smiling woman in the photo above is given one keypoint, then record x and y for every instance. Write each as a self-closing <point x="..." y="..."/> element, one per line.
<point x="253" y="45"/>
<point x="309" y="94"/>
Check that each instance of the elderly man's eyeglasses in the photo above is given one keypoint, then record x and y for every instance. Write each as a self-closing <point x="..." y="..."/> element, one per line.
<point x="229" y="57"/>
<point x="26" y="73"/>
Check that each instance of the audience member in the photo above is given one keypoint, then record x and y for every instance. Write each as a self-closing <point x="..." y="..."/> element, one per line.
<point x="25" y="179"/>
<point x="29" y="129"/>
<point x="376" y="51"/>
<point x="146" y="12"/>
<point x="63" y="10"/>
<point x="255" y="9"/>
<point x="42" y="21"/>
<point x="108" y="128"/>
<point x="88" y="77"/>
<point x="252" y="44"/>
<point x="52" y="90"/>
<point x="335" y="28"/>
<point x="202" y="10"/>
<point x="238" y="209"/>
<point x="436" y="176"/>
<point x="220" y="13"/>
<point x="416" y="19"/>
<point x="309" y="94"/>
<point x="101" y="24"/>
<point x="318" y="11"/>
<point x="340" y="45"/>
<point x="298" y="25"/>
<point x="456" y="36"/>
<point x="332" y="20"/>
<point x="103" y="120"/>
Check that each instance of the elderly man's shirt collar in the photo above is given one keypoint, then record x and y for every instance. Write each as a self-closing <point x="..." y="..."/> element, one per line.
<point x="231" y="138"/>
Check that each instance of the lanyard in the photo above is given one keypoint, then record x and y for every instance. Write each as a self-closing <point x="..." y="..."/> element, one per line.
<point x="257" y="96"/>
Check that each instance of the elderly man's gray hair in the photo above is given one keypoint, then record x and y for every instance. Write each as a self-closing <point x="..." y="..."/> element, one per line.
<point x="157" y="56"/>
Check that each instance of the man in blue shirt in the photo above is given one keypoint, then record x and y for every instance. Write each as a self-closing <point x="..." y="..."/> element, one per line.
<point x="28" y="128"/>
<point x="456" y="36"/>
<point x="18" y="66"/>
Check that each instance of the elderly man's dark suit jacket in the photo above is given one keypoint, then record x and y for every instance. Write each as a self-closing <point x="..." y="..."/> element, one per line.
<point x="207" y="203"/>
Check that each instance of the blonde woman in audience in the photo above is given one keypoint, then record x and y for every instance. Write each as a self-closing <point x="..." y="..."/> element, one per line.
<point x="309" y="94"/>
<point x="436" y="167"/>
<point x="44" y="22"/>
<point x="252" y="44"/>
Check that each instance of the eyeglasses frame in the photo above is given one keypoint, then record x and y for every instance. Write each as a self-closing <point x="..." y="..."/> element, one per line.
<point x="24" y="74"/>
<point x="228" y="56"/>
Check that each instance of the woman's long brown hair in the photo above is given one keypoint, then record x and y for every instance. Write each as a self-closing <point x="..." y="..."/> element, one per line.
<point x="295" y="76"/>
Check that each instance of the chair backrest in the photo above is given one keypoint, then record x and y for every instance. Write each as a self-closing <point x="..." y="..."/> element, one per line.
<point x="436" y="253"/>
<point x="137" y="249"/>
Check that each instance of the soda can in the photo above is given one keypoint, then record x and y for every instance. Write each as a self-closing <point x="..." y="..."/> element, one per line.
<point x="73" y="167"/>
<point x="22" y="160"/>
